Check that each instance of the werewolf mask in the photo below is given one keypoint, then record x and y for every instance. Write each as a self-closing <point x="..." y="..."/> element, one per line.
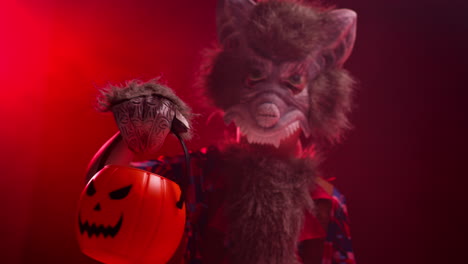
<point x="279" y="71"/>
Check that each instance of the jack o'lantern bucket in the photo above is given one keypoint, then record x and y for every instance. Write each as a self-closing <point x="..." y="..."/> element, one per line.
<point x="127" y="215"/>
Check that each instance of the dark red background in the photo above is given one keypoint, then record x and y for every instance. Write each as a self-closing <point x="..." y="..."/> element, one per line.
<point x="402" y="167"/>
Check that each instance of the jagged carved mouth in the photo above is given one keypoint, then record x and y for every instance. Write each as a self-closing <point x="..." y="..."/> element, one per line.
<point x="93" y="229"/>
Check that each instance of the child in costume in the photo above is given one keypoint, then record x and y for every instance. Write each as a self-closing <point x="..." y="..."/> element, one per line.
<point x="278" y="76"/>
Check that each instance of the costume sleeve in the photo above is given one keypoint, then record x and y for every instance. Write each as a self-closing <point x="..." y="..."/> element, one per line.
<point x="338" y="248"/>
<point x="173" y="169"/>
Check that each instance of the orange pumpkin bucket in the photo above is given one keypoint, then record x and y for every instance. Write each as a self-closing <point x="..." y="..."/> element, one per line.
<point x="127" y="215"/>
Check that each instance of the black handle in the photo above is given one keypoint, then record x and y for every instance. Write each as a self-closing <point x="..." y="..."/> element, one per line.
<point x="188" y="174"/>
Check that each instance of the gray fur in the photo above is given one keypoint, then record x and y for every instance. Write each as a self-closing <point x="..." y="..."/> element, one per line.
<point x="231" y="14"/>
<point x="266" y="202"/>
<point x="115" y="94"/>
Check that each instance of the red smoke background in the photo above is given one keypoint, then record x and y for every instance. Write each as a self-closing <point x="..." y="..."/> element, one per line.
<point x="401" y="168"/>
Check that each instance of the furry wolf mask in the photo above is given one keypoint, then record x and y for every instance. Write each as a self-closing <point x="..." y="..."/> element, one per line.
<point x="278" y="71"/>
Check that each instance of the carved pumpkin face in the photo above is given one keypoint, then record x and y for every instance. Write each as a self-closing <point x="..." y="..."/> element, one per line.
<point x="128" y="215"/>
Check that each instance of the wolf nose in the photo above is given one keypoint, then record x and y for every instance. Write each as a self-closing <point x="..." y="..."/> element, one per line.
<point x="267" y="115"/>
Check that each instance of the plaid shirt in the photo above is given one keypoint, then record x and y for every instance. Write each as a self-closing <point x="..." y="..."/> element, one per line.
<point x="337" y="247"/>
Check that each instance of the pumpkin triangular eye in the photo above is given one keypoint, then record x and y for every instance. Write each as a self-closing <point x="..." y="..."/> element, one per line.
<point x="90" y="190"/>
<point x="120" y="193"/>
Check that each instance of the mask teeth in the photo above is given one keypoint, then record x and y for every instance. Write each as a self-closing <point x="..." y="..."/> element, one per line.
<point x="244" y="130"/>
<point x="275" y="141"/>
<point x="305" y="129"/>
<point x="254" y="139"/>
<point x="251" y="139"/>
<point x="291" y="129"/>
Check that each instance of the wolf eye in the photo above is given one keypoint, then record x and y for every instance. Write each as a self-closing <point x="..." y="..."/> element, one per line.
<point x="295" y="79"/>
<point x="120" y="193"/>
<point x="90" y="190"/>
<point x="255" y="76"/>
<point x="295" y="83"/>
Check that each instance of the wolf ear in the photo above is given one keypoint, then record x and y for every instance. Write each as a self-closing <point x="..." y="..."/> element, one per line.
<point x="340" y="26"/>
<point x="230" y="15"/>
